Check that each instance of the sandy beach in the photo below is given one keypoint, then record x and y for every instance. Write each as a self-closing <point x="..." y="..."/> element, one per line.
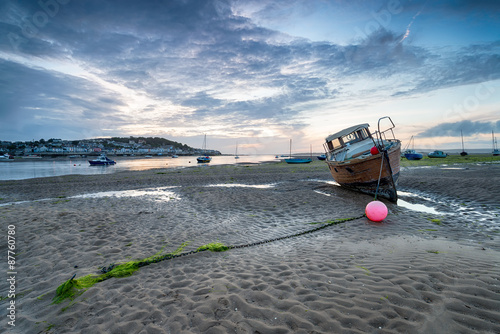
<point x="431" y="269"/>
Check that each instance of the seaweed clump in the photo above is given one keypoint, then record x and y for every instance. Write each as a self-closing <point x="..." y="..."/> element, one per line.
<point x="214" y="247"/>
<point x="73" y="288"/>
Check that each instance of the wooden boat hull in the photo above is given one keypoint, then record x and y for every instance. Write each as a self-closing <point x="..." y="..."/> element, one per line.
<point x="362" y="174"/>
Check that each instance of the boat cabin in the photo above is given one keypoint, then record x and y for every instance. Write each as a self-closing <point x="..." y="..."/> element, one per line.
<point x="349" y="143"/>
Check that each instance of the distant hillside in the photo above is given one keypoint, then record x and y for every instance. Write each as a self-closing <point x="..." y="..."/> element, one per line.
<point x="152" y="141"/>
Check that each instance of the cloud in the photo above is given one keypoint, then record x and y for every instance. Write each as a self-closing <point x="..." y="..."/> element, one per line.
<point x="467" y="127"/>
<point x="468" y="65"/>
<point x="179" y="64"/>
<point x="34" y="98"/>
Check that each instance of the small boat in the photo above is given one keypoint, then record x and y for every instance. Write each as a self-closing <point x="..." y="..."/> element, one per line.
<point x="291" y="160"/>
<point x="102" y="160"/>
<point x="175" y="156"/>
<point x="437" y="154"/>
<point x="204" y="158"/>
<point x="148" y="156"/>
<point x="496" y="151"/>
<point x="6" y="158"/>
<point x="298" y="161"/>
<point x="411" y="154"/>
<point x="463" y="153"/>
<point x="321" y="157"/>
<point x="236" y="153"/>
<point x="364" y="162"/>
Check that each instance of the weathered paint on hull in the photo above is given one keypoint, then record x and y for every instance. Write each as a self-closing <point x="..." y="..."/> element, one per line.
<point x="362" y="174"/>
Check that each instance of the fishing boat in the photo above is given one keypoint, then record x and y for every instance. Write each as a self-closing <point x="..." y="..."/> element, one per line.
<point x="496" y="151"/>
<point x="463" y="153"/>
<point x="102" y="160"/>
<point x="437" y="154"/>
<point x="365" y="162"/>
<point x="204" y="158"/>
<point x="291" y="160"/>
<point x="321" y="157"/>
<point x="411" y="154"/>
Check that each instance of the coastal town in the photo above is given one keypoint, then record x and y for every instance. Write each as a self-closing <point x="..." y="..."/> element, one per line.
<point x="119" y="146"/>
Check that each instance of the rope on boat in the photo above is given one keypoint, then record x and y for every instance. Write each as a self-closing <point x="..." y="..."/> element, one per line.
<point x="380" y="174"/>
<point x="157" y="259"/>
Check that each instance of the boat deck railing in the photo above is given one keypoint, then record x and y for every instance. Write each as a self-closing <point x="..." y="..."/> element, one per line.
<point x="380" y="136"/>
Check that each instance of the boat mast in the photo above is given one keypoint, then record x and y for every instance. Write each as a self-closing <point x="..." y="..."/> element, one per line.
<point x="463" y="153"/>
<point x="462" y="135"/>
<point x="290" y="156"/>
<point x="205" y="144"/>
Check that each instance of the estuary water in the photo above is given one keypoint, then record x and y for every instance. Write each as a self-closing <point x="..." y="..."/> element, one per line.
<point x="21" y="169"/>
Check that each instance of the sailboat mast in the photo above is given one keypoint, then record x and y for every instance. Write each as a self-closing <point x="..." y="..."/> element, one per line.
<point x="462" y="135"/>
<point x="290" y="148"/>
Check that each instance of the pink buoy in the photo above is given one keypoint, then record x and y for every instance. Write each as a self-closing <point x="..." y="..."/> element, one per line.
<point x="376" y="211"/>
<point x="374" y="150"/>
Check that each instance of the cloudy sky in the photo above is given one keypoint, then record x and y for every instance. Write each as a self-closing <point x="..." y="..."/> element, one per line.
<point x="256" y="72"/>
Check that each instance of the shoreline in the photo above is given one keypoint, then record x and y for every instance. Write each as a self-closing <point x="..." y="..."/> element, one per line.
<point x="415" y="272"/>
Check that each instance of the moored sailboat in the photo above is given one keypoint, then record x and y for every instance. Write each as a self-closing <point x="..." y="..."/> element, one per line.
<point x="291" y="160"/>
<point x="411" y="154"/>
<point x="463" y="153"/>
<point x="496" y="151"/>
<point x="236" y="152"/>
<point x="204" y="158"/>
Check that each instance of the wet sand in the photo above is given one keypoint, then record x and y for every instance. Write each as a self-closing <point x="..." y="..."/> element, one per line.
<point x="417" y="272"/>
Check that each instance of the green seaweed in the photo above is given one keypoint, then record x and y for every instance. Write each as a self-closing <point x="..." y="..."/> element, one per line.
<point x="367" y="272"/>
<point x="73" y="288"/>
<point x="436" y="221"/>
<point x="214" y="247"/>
<point x="61" y="201"/>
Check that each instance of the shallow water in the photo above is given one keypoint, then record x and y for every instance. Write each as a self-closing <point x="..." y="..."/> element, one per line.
<point x="425" y="206"/>
<point x="240" y="185"/>
<point x="161" y="194"/>
<point x="28" y="169"/>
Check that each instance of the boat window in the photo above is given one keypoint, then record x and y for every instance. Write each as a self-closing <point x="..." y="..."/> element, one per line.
<point x="334" y="144"/>
<point x="353" y="137"/>
<point x="350" y="137"/>
<point x="363" y="134"/>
